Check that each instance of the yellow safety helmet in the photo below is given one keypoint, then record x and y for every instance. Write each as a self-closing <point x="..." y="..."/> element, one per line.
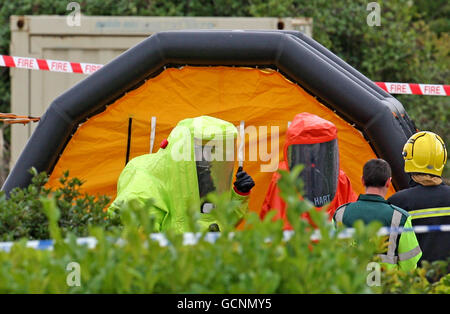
<point x="425" y="152"/>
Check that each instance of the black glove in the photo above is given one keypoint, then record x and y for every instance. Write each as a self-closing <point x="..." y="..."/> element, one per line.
<point x="213" y="228"/>
<point x="244" y="183"/>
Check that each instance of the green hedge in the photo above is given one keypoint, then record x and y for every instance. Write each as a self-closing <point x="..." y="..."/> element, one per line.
<point x="242" y="263"/>
<point x="22" y="214"/>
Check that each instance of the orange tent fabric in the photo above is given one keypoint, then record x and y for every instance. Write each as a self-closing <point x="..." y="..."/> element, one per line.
<point x="264" y="99"/>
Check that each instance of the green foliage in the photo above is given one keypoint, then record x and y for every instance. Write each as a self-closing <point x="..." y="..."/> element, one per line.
<point x="254" y="260"/>
<point x="238" y="262"/>
<point x="23" y="215"/>
<point x="430" y="278"/>
<point x="435" y="13"/>
<point x="408" y="47"/>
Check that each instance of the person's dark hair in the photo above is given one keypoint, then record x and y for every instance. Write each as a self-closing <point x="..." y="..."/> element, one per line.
<point x="376" y="172"/>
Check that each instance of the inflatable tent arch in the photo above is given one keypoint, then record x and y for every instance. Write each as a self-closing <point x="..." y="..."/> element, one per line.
<point x="261" y="77"/>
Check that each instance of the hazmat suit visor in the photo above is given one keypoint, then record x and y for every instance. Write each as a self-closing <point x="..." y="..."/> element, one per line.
<point x="321" y="169"/>
<point x="214" y="163"/>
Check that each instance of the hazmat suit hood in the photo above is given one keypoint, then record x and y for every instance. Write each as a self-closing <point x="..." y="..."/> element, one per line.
<point x="169" y="177"/>
<point x="312" y="141"/>
<point x="207" y="144"/>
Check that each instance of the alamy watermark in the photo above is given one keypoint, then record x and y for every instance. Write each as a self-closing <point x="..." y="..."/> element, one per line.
<point x="74" y="17"/>
<point x="373" y="279"/>
<point x="374" y="17"/>
<point x="220" y="145"/>
<point x="73" y="279"/>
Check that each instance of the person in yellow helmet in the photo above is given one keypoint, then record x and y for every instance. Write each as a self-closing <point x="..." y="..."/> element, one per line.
<point x="428" y="200"/>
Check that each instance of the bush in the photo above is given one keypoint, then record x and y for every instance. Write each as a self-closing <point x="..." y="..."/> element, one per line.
<point x="22" y="216"/>
<point x="430" y="278"/>
<point x="237" y="262"/>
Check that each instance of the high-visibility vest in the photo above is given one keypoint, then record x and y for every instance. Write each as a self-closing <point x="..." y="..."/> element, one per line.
<point x="430" y="212"/>
<point x="403" y="248"/>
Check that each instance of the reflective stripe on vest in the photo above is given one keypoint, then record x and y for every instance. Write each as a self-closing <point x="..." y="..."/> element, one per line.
<point x="390" y="257"/>
<point x="430" y="212"/>
<point x="410" y="254"/>
<point x="340" y="214"/>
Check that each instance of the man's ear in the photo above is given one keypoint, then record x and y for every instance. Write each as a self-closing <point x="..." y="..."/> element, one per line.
<point x="388" y="182"/>
<point x="362" y="181"/>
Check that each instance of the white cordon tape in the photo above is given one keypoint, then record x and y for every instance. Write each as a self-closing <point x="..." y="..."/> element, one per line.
<point x="190" y="238"/>
<point x="89" y="68"/>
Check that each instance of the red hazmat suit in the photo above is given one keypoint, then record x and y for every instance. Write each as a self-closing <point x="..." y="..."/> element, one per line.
<point x="306" y="130"/>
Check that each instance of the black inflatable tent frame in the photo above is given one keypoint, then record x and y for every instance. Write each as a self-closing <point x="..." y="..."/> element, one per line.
<point x="380" y="117"/>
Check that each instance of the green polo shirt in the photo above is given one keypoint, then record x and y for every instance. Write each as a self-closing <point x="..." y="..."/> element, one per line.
<point x="403" y="248"/>
<point x="371" y="207"/>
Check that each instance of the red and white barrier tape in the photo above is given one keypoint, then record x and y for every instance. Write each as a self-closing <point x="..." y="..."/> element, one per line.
<point x="88" y="68"/>
<point x="48" y="65"/>
<point x="415" y="89"/>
